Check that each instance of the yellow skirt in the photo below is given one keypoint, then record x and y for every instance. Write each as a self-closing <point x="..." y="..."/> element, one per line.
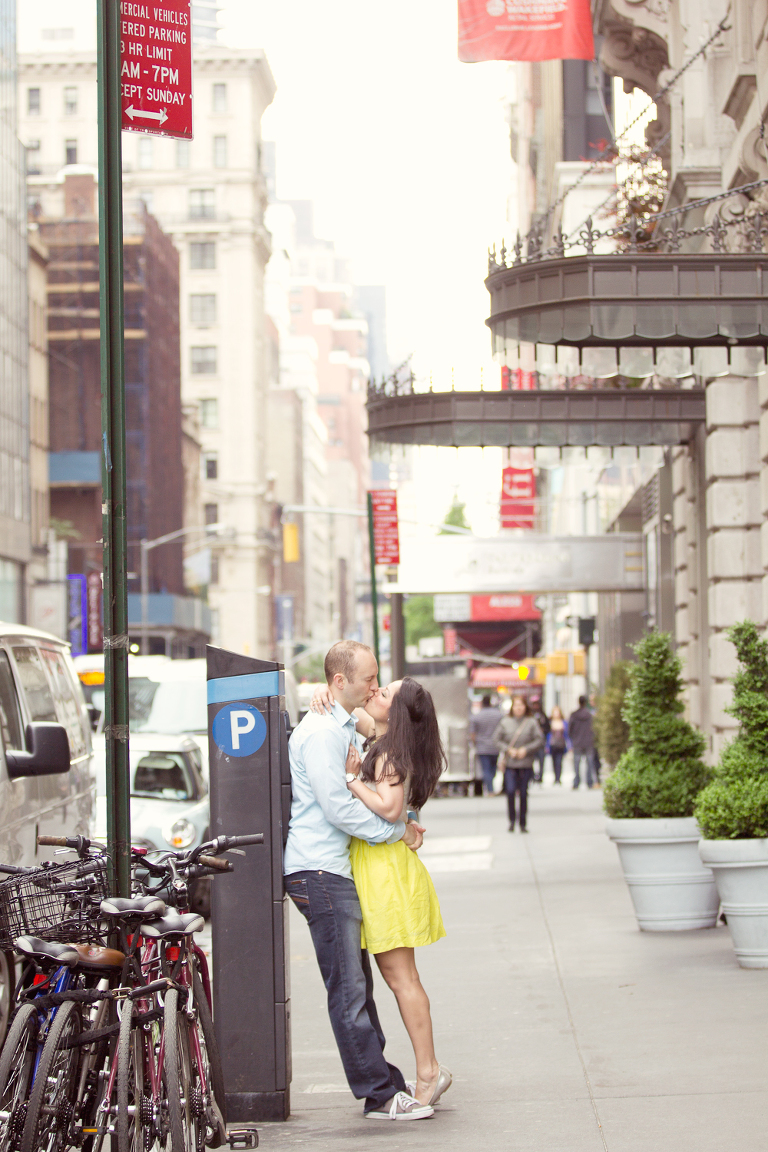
<point x="399" y="902"/>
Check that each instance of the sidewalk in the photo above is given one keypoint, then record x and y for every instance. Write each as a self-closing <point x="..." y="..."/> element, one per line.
<point x="566" y="1029"/>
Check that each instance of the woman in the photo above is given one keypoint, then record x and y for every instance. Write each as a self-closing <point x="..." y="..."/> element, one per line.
<point x="557" y="740"/>
<point x="398" y="901"/>
<point x="518" y="738"/>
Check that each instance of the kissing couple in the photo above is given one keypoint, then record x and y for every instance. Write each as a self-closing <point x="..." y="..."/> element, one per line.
<point x="352" y="870"/>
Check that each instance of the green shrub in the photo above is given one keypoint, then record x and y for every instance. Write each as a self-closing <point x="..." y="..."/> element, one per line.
<point x="662" y="772"/>
<point x="735" y="805"/>
<point x="611" y="729"/>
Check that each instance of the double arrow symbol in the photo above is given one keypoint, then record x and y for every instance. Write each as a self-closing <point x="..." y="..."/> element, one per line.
<point x="160" y="116"/>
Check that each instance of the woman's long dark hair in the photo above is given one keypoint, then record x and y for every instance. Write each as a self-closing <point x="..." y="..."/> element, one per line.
<point x="411" y="744"/>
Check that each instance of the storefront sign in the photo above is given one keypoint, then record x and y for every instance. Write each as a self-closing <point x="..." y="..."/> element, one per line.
<point x="94" y="597"/>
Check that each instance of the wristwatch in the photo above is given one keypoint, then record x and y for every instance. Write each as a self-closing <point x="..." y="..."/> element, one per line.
<point x="350" y="777"/>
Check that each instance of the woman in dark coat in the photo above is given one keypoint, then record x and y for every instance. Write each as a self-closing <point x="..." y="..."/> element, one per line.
<point x="519" y="738"/>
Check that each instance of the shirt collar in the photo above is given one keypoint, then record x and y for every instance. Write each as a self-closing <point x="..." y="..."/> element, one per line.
<point x="340" y="714"/>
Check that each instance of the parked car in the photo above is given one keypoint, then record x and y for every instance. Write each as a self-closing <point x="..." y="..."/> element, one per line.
<point x="46" y="781"/>
<point x="169" y="798"/>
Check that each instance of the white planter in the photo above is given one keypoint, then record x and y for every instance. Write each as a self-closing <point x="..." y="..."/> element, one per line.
<point x="670" y="887"/>
<point x="741" y="875"/>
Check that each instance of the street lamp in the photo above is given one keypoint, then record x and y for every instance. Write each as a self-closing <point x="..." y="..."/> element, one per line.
<point x="146" y="546"/>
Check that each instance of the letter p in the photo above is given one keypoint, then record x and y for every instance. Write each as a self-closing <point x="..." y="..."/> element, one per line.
<point x="241" y="723"/>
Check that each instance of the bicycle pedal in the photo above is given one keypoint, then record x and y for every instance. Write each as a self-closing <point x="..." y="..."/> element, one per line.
<point x="243" y="1138"/>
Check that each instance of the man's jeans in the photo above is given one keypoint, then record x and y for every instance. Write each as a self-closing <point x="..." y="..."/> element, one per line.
<point x="589" y="774"/>
<point x="330" y="906"/>
<point x="488" y="766"/>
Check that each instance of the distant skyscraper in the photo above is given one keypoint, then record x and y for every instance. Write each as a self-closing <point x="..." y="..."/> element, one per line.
<point x="205" y="21"/>
<point x="371" y="301"/>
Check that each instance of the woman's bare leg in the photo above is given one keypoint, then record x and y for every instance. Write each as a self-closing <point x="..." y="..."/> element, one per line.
<point x="398" y="967"/>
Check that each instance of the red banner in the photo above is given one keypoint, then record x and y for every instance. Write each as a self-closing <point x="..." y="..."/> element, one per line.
<point x="386" y="535"/>
<point x="518" y="491"/>
<point x="505" y="606"/>
<point x="525" y="30"/>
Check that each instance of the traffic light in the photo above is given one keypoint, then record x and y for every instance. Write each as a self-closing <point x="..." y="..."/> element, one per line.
<point x="587" y="626"/>
<point x="290" y="543"/>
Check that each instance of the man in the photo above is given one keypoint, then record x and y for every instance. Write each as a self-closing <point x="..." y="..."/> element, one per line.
<point x="583" y="743"/>
<point x="318" y="878"/>
<point x="481" y="729"/>
<point x="540" y="716"/>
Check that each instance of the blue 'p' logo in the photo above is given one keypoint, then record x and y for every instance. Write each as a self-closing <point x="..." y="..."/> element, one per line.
<point x="239" y="730"/>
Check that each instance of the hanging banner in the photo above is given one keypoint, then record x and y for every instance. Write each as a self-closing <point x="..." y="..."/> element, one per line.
<point x="518" y="492"/>
<point x="525" y="30"/>
<point x="386" y="535"/>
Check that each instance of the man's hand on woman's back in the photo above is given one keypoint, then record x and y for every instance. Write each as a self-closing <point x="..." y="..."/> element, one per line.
<point x="413" y="836"/>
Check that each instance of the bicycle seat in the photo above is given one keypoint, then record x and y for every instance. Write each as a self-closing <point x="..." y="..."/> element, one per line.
<point x="173" y="925"/>
<point x="47" y="950"/>
<point x="121" y="907"/>
<point x="96" y="956"/>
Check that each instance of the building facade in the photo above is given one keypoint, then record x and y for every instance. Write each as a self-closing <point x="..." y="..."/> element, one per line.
<point x="15" y="503"/>
<point x="209" y="196"/>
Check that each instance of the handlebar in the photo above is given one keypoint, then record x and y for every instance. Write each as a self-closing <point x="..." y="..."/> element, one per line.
<point x="216" y="863"/>
<point x="13" y="869"/>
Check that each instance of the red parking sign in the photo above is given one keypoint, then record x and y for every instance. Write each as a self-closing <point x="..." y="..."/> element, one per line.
<point x="386" y="535"/>
<point x="156" y="67"/>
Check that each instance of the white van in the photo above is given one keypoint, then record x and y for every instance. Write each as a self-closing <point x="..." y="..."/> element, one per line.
<point x="47" y="785"/>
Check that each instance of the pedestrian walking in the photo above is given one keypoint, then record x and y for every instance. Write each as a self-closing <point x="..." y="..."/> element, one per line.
<point x="540" y="716"/>
<point x="482" y="726"/>
<point x="557" y="741"/>
<point x="582" y="737"/>
<point x="318" y="878"/>
<point x="518" y="738"/>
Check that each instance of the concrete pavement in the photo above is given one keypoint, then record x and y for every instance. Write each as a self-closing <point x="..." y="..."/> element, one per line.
<point x="566" y="1029"/>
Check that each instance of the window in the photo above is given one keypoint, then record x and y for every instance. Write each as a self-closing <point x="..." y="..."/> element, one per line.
<point x="65" y="699"/>
<point x="70" y="101"/>
<point x="145" y="151"/>
<point x="10" y="718"/>
<point x="202" y="203"/>
<point x="219" y="151"/>
<point x="209" y="413"/>
<point x="204" y="360"/>
<point x="202" y="254"/>
<point x="183" y="153"/>
<point x="163" y="774"/>
<point x="210" y="465"/>
<point x="33" y="101"/>
<point x="70" y="151"/>
<point x="202" y="308"/>
<point x="219" y="97"/>
<point x="214" y="579"/>
<point x="211" y="513"/>
<point x="35" y="685"/>
<point x="33" y="158"/>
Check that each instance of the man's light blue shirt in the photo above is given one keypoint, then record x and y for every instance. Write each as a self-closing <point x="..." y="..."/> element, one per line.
<point x="324" y="813"/>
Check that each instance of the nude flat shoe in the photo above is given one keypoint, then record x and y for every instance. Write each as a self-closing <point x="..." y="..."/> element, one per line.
<point x="444" y="1081"/>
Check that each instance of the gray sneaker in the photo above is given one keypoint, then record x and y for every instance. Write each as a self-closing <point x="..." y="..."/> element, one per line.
<point x="402" y="1107"/>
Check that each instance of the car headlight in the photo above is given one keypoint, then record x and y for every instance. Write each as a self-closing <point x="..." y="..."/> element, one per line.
<point x="181" y="833"/>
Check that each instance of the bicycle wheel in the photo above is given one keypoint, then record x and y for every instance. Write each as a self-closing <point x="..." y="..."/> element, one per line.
<point x="51" y="1103"/>
<point x="186" y="1129"/>
<point x="214" y="1102"/>
<point x="131" y="1105"/>
<point x="16" y="1066"/>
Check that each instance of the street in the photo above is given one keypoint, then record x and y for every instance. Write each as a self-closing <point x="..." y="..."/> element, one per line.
<point x="565" y="1028"/>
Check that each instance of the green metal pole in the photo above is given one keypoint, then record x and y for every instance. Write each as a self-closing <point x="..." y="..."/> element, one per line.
<point x="374" y="593"/>
<point x="113" y="477"/>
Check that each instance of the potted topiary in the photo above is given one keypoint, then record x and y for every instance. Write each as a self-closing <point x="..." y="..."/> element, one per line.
<point x="611" y="729"/>
<point x="733" y="810"/>
<point x="650" y="797"/>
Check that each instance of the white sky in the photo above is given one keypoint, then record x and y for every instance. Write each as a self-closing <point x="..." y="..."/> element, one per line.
<point x="405" y="153"/>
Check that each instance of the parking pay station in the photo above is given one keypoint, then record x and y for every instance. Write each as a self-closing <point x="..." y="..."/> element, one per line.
<point x="250" y="792"/>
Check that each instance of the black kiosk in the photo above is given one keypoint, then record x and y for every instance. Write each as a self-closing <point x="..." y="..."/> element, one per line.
<point x="250" y="792"/>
